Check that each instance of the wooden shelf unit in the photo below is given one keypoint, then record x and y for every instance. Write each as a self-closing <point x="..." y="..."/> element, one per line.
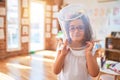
<point x="112" y="50"/>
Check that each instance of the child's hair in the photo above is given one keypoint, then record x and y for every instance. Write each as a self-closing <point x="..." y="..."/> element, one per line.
<point x="87" y="26"/>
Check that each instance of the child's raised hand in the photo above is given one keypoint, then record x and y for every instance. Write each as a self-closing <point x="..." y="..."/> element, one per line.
<point x="65" y="48"/>
<point x="89" y="47"/>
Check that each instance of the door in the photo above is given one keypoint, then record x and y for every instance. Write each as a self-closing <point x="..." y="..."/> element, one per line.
<point x="36" y="25"/>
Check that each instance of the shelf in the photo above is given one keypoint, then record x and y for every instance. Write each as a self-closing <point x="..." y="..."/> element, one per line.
<point x="113" y="50"/>
<point x="112" y="53"/>
<point x="113" y="37"/>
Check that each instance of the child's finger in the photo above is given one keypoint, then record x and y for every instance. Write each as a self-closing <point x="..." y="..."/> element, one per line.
<point x="90" y="45"/>
<point x="66" y="42"/>
<point x="65" y="47"/>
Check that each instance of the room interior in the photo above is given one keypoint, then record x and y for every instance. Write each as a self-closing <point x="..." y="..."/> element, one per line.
<point x="30" y="32"/>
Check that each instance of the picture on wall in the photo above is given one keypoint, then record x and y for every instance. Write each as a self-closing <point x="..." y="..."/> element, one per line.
<point x="25" y="30"/>
<point x="25" y="13"/>
<point x="25" y="39"/>
<point x="25" y="3"/>
<point x="2" y="11"/>
<point x="1" y="34"/>
<point x="1" y="22"/>
<point x="48" y="8"/>
<point x="48" y="28"/>
<point x="115" y="18"/>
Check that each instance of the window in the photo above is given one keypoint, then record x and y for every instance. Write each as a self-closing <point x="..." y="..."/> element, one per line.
<point x="13" y="25"/>
<point x="36" y="25"/>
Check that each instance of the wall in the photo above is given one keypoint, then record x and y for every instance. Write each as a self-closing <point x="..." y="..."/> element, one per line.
<point x="101" y="15"/>
<point x="2" y="41"/>
<point x="92" y="3"/>
<point x="52" y="27"/>
<point x="50" y="38"/>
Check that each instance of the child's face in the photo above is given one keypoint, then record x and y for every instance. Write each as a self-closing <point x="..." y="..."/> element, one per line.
<point x="76" y="30"/>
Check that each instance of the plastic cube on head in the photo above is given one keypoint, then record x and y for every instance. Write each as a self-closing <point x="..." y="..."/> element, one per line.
<point x="71" y="13"/>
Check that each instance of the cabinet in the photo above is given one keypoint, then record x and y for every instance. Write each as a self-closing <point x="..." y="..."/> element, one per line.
<point x="112" y="50"/>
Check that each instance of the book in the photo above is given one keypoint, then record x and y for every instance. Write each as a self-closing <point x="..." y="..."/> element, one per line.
<point x="114" y="67"/>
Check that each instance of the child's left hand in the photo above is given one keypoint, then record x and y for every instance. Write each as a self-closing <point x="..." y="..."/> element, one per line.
<point x="89" y="47"/>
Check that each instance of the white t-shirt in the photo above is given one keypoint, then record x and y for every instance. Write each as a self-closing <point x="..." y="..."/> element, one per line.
<point x="74" y="66"/>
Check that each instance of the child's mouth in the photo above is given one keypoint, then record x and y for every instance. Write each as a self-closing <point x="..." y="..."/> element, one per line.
<point x="76" y="35"/>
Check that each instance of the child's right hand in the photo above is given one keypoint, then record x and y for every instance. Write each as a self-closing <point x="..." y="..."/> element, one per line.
<point x="65" y="49"/>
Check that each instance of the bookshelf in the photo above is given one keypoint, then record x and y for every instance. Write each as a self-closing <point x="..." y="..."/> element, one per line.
<point x="112" y="50"/>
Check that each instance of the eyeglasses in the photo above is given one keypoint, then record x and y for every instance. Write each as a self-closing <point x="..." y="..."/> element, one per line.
<point x="79" y="28"/>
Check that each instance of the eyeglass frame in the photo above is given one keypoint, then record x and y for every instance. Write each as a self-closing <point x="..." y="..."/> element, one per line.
<point x="79" y="28"/>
